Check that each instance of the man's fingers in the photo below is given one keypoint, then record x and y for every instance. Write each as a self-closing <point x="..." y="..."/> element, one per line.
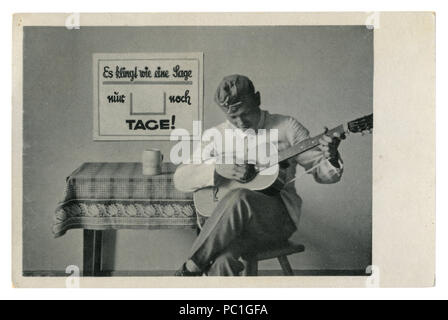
<point x="326" y="139"/>
<point x="339" y="136"/>
<point x="244" y="172"/>
<point x="238" y="175"/>
<point x="239" y="170"/>
<point x="323" y="142"/>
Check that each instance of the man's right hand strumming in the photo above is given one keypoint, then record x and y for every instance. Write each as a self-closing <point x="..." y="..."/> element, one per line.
<point x="239" y="172"/>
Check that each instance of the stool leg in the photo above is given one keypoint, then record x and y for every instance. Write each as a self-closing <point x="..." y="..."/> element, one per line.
<point x="250" y="268"/>
<point x="286" y="267"/>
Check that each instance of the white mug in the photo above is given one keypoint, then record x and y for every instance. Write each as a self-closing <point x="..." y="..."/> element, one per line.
<point x="152" y="162"/>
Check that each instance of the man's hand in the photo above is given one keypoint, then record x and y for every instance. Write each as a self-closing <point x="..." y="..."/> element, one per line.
<point x="239" y="172"/>
<point x="329" y="146"/>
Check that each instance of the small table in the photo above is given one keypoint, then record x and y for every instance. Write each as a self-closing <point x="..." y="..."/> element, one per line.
<point x="115" y="195"/>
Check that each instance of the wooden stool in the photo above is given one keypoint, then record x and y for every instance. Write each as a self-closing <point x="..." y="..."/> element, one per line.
<point x="281" y="252"/>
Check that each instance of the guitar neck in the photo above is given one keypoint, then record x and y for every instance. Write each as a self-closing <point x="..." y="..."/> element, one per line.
<point x="308" y="144"/>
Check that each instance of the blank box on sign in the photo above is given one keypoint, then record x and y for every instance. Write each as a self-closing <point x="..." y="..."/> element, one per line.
<point x="145" y="100"/>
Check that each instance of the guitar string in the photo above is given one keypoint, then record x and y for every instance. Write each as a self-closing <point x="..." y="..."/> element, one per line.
<point x="303" y="173"/>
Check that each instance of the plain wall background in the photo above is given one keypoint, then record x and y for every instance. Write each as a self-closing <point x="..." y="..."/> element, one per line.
<point x="323" y="76"/>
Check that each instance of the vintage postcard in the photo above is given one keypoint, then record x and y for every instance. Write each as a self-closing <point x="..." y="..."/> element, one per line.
<point x="224" y="150"/>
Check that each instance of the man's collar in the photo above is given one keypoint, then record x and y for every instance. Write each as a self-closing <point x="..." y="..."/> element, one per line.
<point x="261" y="122"/>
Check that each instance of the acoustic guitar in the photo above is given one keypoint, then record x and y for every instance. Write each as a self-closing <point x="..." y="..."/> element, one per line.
<point x="206" y="199"/>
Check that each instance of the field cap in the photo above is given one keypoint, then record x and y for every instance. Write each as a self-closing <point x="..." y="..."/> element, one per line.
<point x="233" y="90"/>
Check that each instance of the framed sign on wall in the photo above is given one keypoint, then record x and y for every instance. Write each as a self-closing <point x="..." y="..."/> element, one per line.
<point x="144" y="96"/>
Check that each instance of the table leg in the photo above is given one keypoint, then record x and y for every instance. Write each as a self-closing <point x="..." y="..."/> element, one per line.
<point x="92" y="253"/>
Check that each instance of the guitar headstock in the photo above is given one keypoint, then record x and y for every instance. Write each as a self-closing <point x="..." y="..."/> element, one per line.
<point x="361" y="124"/>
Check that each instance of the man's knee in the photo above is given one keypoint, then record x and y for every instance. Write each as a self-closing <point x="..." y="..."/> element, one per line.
<point x="242" y="202"/>
<point x="243" y="195"/>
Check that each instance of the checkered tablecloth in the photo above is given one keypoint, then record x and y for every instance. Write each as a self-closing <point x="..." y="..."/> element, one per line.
<point x="108" y="195"/>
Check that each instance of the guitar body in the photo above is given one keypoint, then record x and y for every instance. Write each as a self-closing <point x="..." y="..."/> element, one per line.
<point x="206" y="199"/>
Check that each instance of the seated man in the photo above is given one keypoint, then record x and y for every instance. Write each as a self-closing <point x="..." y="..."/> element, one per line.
<point x="246" y="220"/>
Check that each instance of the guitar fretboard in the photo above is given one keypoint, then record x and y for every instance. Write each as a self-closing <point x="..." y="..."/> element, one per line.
<point x="307" y="144"/>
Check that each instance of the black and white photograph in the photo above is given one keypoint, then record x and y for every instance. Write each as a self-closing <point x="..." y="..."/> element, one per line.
<point x="201" y="151"/>
<point x="133" y="209"/>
